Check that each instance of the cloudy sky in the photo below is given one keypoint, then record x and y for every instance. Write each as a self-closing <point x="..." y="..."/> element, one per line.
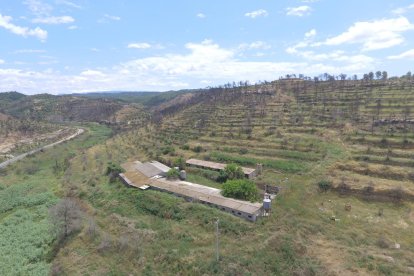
<point x="64" y="46"/>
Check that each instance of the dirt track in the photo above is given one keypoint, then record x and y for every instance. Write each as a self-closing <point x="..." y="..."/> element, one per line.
<point x="23" y="155"/>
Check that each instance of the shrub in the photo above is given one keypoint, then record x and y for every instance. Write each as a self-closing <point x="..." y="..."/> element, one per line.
<point x="397" y="194"/>
<point x="185" y="147"/>
<point x="244" y="151"/>
<point x="179" y="162"/>
<point x="198" y="149"/>
<point x="168" y="149"/>
<point x="240" y="189"/>
<point x="31" y="169"/>
<point x="369" y="189"/>
<point x="113" y="170"/>
<point x="222" y="177"/>
<point x="173" y="174"/>
<point x="233" y="171"/>
<point x="324" y="185"/>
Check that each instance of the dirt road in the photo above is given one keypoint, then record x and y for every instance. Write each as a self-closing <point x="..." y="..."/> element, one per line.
<point x="23" y="155"/>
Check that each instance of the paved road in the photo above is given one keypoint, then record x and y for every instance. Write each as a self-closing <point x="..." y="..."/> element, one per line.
<point x="23" y="155"/>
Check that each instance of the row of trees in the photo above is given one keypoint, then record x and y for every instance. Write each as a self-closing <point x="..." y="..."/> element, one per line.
<point x="370" y="76"/>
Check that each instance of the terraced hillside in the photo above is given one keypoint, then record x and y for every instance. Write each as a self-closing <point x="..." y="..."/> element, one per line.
<point x="293" y="125"/>
<point x="304" y="133"/>
<point x="355" y="135"/>
<point x="309" y="135"/>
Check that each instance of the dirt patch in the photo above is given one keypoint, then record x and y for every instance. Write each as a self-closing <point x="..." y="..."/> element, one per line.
<point x="401" y="224"/>
<point x="4" y="117"/>
<point x="8" y="143"/>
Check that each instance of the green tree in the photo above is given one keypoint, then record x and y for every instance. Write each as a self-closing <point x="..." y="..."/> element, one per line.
<point x="173" y="174"/>
<point x="324" y="185"/>
<point x="240" y="189"/>
<point x="384" y="75"/>
<point x="233" y="171"/>
<point x="113" y="170"/>
<point x="179" y="162"/>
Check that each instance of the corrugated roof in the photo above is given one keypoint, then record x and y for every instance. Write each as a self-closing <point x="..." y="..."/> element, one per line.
<point x="215" y="165"/>
<point x="137" y="178"/>
<point x="206" y="194"/>
<point x="160" y="166"/>
<point x="130" y="166"/>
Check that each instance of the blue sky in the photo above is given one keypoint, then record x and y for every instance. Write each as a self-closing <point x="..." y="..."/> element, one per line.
<point x="64" y="46"/>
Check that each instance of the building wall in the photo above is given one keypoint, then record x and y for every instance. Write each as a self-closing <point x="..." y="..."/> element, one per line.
<point x="237" y="213"/>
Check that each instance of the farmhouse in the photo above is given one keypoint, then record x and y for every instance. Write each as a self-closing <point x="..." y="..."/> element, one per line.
<point x="248" y="172"/>
<point x="137" y="176"/>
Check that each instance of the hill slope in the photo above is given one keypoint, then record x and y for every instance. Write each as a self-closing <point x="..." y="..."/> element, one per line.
<point x="353" y="135"/>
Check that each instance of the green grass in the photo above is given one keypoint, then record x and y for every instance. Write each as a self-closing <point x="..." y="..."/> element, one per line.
<point x="26" y="241"/>
<point x="282" y="165"/>
<point x="199" y="179"/>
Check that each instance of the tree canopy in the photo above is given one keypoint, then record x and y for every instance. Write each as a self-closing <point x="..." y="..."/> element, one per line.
<point x="240" y="189"/>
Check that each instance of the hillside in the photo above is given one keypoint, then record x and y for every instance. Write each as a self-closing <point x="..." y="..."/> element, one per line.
<point x="70" y="108"/>
<point x="148" y="99"/>
<point x="339" y="151"/>
<point x="8" y="97"/>
<point x="293" y="121"/>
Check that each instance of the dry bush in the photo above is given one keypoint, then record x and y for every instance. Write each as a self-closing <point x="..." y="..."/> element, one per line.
<point x="383" y="243"/>
<point x="66" y="218"/>
<point x="106" y="243"/>
<point x="92" y="228"/>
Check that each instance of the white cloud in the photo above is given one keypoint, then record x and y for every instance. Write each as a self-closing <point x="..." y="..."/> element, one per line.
<point x="5" y="22"/>
<point x="72" y="27"/>
<point x="112" y="17"/>
<point x="54" y="20"/>
<point x="141" y="45"/>
<point x="299" y="11"/>
<point x="307" y="41"/>
<point x="38" y="8"/>
<point x="310" y="34"/>
<point x="257" y="13"/>
<point x="203" y="63"/>
<point x="201" y="15"/>
<point x="29" y="51"/>
<point x="69" y="4"/>
<point x="350" y="63"/>
<point x="403" y="10"/>
<point x="92" y="73"/>
<point x="254" y="46"/>
<point x="373" y="35"/>
<point x="309" y="1"/>
<point x="2" y="61"/>
<point x="405" y="55"/>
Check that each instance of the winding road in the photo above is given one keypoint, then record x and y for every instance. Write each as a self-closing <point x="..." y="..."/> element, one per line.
<point x="23" y="155"/>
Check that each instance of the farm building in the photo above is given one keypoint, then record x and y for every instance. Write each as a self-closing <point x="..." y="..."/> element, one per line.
<point x="149" y="169"/>
<point x="248" y="172"/>
<point x="135" y="177"/>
